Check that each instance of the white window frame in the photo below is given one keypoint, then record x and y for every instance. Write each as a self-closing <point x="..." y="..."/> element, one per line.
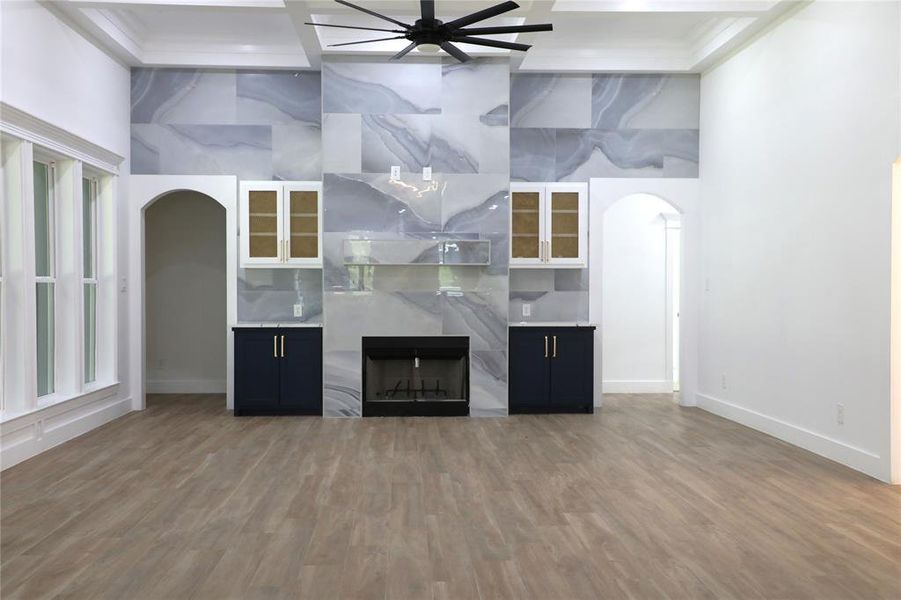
<point x="94" y="279"/>
<point x="38" y="279"/>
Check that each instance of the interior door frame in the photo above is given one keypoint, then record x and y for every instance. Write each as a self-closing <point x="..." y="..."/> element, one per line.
<point x="144" y="190"/>
<point x="684" y="195"/>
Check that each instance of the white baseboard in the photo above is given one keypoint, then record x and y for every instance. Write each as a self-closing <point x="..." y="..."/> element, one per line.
<point x="850" y="456"/>
<point x="24" y="437"/>
<point x="186" y="386"/>
<point x="637" y="387"/>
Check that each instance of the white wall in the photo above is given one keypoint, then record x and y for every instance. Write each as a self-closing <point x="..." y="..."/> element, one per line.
<point x="185" y="294"/>
<point x="52" y="73"/>
<point x="798" y="134"/>
<point x="634" y="324"/>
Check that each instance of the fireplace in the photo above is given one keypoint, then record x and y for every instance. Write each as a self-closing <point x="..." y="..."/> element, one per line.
<point x="415" y="376"/>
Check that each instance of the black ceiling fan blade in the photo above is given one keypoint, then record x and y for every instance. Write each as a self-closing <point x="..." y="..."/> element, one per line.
<point x="354" y="27"/>
<point x="404" y="52"/>
<point x="428" y="9"/>
<point x="462" y="39"/>
<point x="373" y="13"/>
<point x="481" y="15"/>
<point x="505" y="29"/>
<point x="398" y="37"/>
<point x="455" y="52"/>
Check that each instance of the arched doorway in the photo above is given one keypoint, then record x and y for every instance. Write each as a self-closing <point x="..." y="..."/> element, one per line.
<point x="185" y="312"/>
<point x="144" y="191"/>
<point x="641" y="288"/>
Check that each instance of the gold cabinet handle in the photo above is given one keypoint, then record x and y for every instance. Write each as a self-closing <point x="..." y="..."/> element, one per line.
<point x="275" y="346"/>
<point x="545" y="346"/>
<point x="283" y="346"/>
<point x="555" y="347"/>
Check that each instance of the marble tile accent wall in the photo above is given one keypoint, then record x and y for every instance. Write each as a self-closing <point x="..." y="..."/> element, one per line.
<point x="263" y="125"/>
<point x="576" y="127"/>
<point x="427" y="112"/>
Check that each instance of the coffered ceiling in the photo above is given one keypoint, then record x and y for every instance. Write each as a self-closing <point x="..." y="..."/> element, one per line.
<point x="589" y="35"/>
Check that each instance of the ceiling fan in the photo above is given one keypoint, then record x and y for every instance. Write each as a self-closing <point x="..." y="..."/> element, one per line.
<point x="433" y="33"/>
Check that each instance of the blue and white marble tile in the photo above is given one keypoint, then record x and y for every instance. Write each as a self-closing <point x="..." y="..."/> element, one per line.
<point x="532" y="280"/>
<point x="550" y="100"/>
<point x="270" y="295"/>
<point x="480" y="315"/>
<point x="342" y="143"/>
<point x="343" y="377"/>
<point x="466" y="252"/>
<point x="381" y="88"/>
<point x="494" y="150"/>
<point x="582" y="154"/>
<point x="550" y="306"/>
<point x="267" y="97"/>
<point x="396" y="140"/>
<point x="145" y="149"/>
<point x="570" y="280"/>
<point x="242" y="150"/>
<point x="488" y="383"/>
<point x="455" y="144"/>
<point x="645" y="101"/>
<point x="183" y="96"/>
<point x="533" y="154"/>
<point x="296" y="152"/>
<point x="392" y="252"/>
<point x="375" y="203"/>
<point x="474" y="203"/>
<point x="490" y="77"/>
<point x="352" y="315"/>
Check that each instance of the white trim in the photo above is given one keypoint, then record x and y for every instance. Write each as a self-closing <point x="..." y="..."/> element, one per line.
<point x="22" y="125"/>
<point x="840" y="452"/>
<point x="638" y="387"/>
<point x="144" y="190"/>
<point x="895" y="335"/>
<point x="28" y="435"/>
<point x="187" y="386"/>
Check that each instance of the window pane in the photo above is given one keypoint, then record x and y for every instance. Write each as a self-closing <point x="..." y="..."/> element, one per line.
<point x="90" y="332"/>
<point x="42" y="221"/>
<point x="88" y="223"/>
<point x="45" y="341"/>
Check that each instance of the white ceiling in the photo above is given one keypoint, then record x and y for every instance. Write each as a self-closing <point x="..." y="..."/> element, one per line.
<point x="589" y="35"/>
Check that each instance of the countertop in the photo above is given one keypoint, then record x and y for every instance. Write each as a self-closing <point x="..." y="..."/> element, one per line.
<point x="265" y="325"/>
<point x="552" y="324"/>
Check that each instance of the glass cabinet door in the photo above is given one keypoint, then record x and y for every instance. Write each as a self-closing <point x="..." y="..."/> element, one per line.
<point x="262" y="224"/>
<point x="564" y="224"/>
<point x="303" y="224"/>
<point x="526" y="225"/>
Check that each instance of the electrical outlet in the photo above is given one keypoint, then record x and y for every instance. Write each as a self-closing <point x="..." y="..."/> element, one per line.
<point x="298" y="310"/>
<point x="395" y="173"/>
<point x="427" y="173"/>
<point x="723" y="382"/>
<point x="527" y="310"/>
<point x="840" y="414"/>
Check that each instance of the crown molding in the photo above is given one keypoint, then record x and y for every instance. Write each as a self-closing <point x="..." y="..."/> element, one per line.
<point x="20" y="124"/>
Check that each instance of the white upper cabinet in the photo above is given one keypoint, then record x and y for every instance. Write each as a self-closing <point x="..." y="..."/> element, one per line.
<point x="549" y="225"/>
<point x="281" y="224"/>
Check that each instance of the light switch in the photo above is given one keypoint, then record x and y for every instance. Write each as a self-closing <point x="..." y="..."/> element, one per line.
<point x="395" y="173"/>
<point x="527" y="310"/>
<point x="427" y="173"/>
<point x="298" y="310"/>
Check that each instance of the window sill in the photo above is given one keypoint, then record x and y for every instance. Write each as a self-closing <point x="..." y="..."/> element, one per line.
<point x="92" y="392"/>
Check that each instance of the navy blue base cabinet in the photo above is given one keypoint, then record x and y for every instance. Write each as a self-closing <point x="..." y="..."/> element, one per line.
<point x="551" y="370"/>
<point x="278" y="371"/>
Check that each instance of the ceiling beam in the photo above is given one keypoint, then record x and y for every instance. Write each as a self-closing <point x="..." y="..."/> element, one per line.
<point x="299" y="12"/>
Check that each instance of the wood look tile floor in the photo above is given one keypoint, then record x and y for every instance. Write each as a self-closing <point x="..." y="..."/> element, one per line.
<point x="642" y="500"/>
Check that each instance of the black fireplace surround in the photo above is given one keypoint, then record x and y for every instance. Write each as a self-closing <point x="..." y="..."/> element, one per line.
<point x="416" y="376"/>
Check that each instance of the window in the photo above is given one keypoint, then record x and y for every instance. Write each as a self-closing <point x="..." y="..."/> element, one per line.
<point x="89" y="277"/>
<point x="45" y="276"/>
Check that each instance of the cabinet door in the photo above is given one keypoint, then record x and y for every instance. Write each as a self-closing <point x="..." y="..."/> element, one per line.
<point x="528" y="372"/>
<point x="256" y="371"/>
<point x="303" y="223"/>
<point x="572" y="370"/>
<point x="527" y="224"/>
<point x="261" y="223"/>
<point x="567" y="217"/>
<point x="301" y="370"/>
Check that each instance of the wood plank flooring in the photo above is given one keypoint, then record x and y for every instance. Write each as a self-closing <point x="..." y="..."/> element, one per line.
<point x="642" y="500"/>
